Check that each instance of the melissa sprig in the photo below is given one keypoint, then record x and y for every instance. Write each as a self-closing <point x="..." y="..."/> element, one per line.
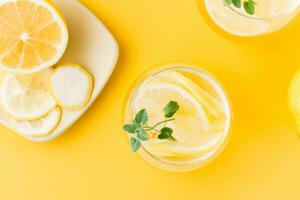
<point x="142" y="131"/>
<point x="248" y="5"/>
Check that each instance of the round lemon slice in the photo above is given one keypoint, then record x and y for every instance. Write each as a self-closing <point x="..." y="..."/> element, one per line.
<point x="210" y="103"/>
<point x="40" y="127"/>
<point x="154" y="97"/>
<point x="172" y="149"/>
<point x="200" y="121"/>
<point x="294" y="99"/>
<point x="27" y="97"/>
<point x="33" y="37"/>
<point x="213" y="107"/>
<point x="191" y="127"/>
<point x="72" y="86"/>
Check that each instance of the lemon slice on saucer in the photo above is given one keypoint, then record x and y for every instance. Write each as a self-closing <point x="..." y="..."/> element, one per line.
<point x="34" y="35"/>
<point x="26" y="97"/>
<point x="72" y="86"/>
<point x="40" y="127"/>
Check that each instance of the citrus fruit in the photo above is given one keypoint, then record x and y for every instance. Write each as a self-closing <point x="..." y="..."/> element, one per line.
<point x="209" y="102"/>
<point x="71" y="85"/>
<point x="199" y="123"/>
<point x="33" y="35"/>
<point x="294" y="99"/>
<point x="173" y="149"/>
<point x="40" y="127"/>
<point x="213" y="107"/>
<point x="191" y="122"/>
<point x="27" y="96"/>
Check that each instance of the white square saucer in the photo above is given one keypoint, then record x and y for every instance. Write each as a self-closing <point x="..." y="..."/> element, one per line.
<point x="92" y="46"/>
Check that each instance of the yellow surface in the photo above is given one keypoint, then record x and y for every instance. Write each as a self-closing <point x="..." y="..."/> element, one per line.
<point x="93" y="160"/>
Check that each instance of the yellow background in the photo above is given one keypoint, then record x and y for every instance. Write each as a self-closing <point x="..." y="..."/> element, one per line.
<point x="92" y="160"/>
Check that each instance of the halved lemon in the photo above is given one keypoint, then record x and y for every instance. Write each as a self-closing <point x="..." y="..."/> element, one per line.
<point x="40" y="127"/>
<point x="72" y="86"/>
<point x="33" y="35"/>
<point x="27" y="97"/>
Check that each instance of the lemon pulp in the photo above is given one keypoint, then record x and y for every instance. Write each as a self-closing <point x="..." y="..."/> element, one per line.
<point x="201" y="122"/>
<point x="27" y="96"/>
<point x="33" y="35"/>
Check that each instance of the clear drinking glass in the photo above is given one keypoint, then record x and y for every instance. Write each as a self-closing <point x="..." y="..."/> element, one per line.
<point x="269" y="16"/>
<point x="210" y="86"/>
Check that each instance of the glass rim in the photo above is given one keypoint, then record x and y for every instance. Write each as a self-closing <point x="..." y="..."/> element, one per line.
<point x="214" y="83"/>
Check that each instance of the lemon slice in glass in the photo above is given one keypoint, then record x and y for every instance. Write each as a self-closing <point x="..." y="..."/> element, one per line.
<point x="210" y="103"/>
<point x="34" y="35"/>
<point x="173" y="149"/>
<point x="213" y="107"/>
<point x="27" y="97"/>
<point x="191" y="128"/>
<point x="40" y="127"/>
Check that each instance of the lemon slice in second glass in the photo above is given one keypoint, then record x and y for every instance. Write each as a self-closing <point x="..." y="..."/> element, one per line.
<point x="33" y="35"/>
<point x="27" y="97"/>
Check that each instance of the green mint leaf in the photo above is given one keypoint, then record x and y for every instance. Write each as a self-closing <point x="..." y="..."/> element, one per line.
<point x="165" y="133"/>
<point x="138" y="125"/>
<point x="130" y="128"/>
<point x="227" y="2"/>
<point x="249" y="7"/>
<point x="141" y="117"/>
<point x="141" y="134"/>
<point x="237" y="3"/>
<point x="170" y="109"/>
<point x="135" y="144"/>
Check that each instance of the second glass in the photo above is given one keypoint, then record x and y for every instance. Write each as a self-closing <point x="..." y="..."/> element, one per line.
<point x="261" y="17"/>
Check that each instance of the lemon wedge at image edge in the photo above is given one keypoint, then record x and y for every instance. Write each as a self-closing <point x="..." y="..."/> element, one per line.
<point x="72" y="86"/>
<point x="34" y="35"/>
<point x="27" y="97"/>
<point x="40" y="127"/>
<point x="294" y="99"/>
